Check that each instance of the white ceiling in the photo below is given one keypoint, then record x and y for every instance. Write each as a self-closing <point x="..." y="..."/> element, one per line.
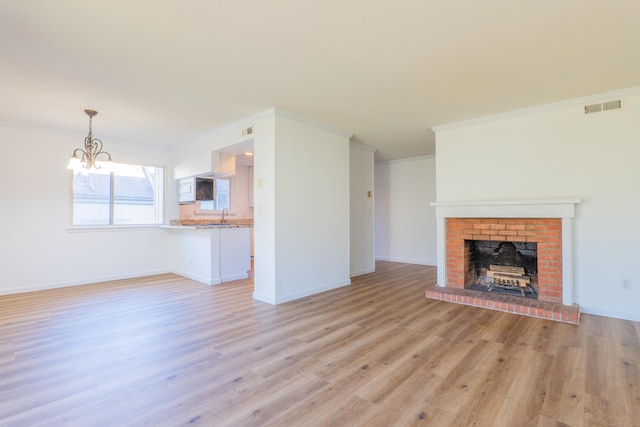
<point x="167" y="71"/>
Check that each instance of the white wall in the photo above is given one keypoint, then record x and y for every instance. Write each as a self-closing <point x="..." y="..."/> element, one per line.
<point x="311" y="208"/>
<point x="405" y="223"/>
<point x="557" y="151"/>
<point x="37" y="251"/>
<point x="361" y="209"/>
<point x="264" y="211"/>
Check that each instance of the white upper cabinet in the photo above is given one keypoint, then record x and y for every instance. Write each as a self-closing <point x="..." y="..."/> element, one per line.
<point x="223" y="164"/>
<point x="187" y="190"/>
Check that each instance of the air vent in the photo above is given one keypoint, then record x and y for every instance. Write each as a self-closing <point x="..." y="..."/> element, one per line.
<point x="596" y="108"/>
<point x="593" y="108"/>
<point x="247" y="131"/>
<point x="611" y="105"/>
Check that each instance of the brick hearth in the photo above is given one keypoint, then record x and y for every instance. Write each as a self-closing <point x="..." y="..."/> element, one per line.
<point x="506" y="303"/>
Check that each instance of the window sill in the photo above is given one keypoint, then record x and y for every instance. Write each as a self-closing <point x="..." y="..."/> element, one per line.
<point x="101" y="228"/>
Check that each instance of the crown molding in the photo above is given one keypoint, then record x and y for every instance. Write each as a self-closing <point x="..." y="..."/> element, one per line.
<point x="363" y="146"/>
<point x="66" y="133"/>
<point x="540" y="108"/>
<point x="273" y="111"/>
<point x="288" y="114"/>
<point x="405" y="160"/>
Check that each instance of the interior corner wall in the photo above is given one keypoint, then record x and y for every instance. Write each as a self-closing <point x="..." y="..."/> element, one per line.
<point x="560" y="152"/>
<point x="38" y="252"/>
<point x="264" y="210"/>
<point x="361" y="188"/>
<point x="311" y="209"/>
<point x="405" y="223"/>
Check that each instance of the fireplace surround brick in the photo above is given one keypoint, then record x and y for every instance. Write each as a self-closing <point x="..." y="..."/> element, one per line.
<point x="546" y="232"/>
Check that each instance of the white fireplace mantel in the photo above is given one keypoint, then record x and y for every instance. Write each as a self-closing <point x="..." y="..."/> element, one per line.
<point x="547" y="208"/>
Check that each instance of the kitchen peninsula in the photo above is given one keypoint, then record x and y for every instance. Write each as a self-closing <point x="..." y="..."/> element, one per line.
<point x="211" y="253"/>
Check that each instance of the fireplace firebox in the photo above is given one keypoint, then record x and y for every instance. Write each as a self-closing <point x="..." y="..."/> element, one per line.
<point x="509" y="267"/>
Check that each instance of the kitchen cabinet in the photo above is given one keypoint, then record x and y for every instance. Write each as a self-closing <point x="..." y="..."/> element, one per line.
<point x="187" y="190"/>
<point x="223" y="164"/>
<point x="211" y="255"/>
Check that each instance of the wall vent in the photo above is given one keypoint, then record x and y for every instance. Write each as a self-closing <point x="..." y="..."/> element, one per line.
<point x="593" y="108"/>
<point x="611" y="105"/>
<point x="596" y="108"/>
<point x="247" y="131"/>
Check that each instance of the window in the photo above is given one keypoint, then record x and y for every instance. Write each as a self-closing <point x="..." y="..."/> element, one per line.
<point x="223" y="193"/>
<point x="124" y="195"/>
<point x="222" y="200"/>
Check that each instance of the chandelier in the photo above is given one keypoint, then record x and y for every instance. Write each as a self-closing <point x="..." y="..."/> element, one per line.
<point x="89" y="157"/>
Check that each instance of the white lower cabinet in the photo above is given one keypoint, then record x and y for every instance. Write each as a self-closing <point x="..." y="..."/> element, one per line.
<point x="211" y="255"/>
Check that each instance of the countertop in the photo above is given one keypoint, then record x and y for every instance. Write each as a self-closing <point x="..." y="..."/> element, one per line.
<point x="204" y="226"/>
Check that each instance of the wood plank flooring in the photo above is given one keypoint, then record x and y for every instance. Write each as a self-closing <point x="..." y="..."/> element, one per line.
<point x="167" y="351"/>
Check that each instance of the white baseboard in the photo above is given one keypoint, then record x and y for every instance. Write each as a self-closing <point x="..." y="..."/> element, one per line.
<point x="197" y="278"/>
<point x="264" y="298"/>
<point x="634" y="316"/>
<point x="361" y="272"/>
<point x="234" y="277"/>
<point x="430" y="262"/>
<point x="306" y="293"/>
<point x="65" y="284"/>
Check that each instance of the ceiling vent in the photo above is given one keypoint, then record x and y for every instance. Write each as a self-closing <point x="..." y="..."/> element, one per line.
<point x="247" y="131"/>
<point x="596" y="108"/>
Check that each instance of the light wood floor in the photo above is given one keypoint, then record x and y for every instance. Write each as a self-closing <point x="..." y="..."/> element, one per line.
<point x="167" y="351"/>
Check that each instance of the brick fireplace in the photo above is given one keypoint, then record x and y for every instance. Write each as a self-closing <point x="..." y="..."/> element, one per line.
<point x="546" y="232"/>
<point x="544" y="224"/>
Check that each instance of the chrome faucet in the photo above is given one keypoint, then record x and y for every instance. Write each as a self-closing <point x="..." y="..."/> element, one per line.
<point x="223" y="211"/>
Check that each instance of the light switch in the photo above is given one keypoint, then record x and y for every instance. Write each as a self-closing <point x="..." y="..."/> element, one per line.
<point x="368" y="193"/>
<point x="259" y="182"/>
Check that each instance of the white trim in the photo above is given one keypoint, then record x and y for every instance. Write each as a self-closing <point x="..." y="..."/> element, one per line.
<point x="633" y="316"/>
<point x="309" y="292"/>
<point x="298" y="295"/>
<point x="601" y="97"/>
<point x="406" y="159"/>
<point x="545" y="208"/>
<point x="567" y="260"/>
<point x="248" y="121"/>
<point x="363" y="146"/>
<point x="507" y="202"/>
<point x="293" y="116"/>
<point x="264" y="298"/>
<point x="56" y="285"/>
<point x="431" y="262"/>
<point x="202" y="279"/>
<point x="74" y="135"/>
<point x="237" y="124"/>
<point x="107" y="228"/>
<point x="234" y="277"/>
<point x="361" y="272"/>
